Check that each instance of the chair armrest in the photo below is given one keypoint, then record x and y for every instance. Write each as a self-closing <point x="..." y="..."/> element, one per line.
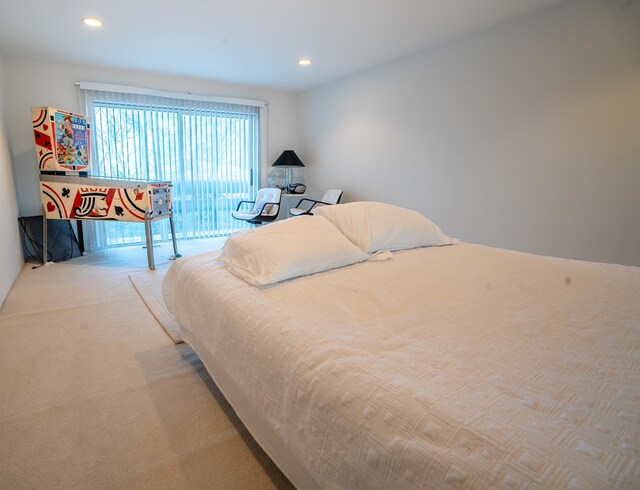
<point x="323" y="203"/>
<point x="303" y="200"/>
<point x="242" y="202"/>
<point x="313" y="202"/>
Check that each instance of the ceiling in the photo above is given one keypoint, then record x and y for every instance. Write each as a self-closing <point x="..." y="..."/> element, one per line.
<point x="255" y="42"/>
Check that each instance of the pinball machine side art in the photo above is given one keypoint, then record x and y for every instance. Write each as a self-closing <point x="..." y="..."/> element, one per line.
<point x="64" y="200"/>
<point x="74" y="201"/>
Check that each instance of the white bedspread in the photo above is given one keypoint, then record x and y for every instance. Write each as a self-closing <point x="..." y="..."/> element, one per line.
<point x="452" y="367"/>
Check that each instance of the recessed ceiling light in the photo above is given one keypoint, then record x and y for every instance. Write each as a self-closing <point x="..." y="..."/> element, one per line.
<point x="305" y="61"/>
<point x="92" y="21"/>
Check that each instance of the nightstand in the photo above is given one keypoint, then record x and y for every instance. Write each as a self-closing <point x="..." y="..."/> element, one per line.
<point x="289" y="201"/>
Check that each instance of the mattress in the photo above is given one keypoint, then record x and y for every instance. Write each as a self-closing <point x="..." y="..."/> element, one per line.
<point x="444" y="367"/>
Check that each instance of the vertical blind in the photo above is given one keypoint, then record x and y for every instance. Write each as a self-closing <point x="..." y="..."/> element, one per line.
<point x="210" y="150"/>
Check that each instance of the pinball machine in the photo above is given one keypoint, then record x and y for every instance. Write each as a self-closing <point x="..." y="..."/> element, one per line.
<point x="68" y="192"/>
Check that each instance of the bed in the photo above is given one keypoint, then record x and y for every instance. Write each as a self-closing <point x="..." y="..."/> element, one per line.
<point x="448" y="366"/>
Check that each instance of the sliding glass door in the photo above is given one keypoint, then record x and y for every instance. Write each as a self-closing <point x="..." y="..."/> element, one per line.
<point x="209" y="150"/>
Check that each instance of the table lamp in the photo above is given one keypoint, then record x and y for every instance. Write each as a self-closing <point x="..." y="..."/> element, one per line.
<point x="288" y="160"/>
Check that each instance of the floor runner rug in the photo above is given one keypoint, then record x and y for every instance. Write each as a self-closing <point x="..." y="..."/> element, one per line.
<point x="149" y="287"/>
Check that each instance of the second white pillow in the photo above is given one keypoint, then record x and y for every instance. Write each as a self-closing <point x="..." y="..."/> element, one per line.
<point x="374" y="226"/>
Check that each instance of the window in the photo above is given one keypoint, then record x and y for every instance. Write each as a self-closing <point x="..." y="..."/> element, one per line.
<point x="211" y="151"/>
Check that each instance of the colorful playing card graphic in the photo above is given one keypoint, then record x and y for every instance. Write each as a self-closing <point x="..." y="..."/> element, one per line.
<point x="92" y="203"/>
<point x="53" y="200"/>
<point x="72" y="150"/>
<point x="62" y="140"/>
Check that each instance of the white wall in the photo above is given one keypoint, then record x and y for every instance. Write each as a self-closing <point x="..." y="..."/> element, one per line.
<point x="10" y="247"/>
<point x="526" y="136"/>
<point x="36" y="83"/>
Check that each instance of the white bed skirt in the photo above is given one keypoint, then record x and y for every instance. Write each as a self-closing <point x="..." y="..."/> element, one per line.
<point x="253" y="420"/>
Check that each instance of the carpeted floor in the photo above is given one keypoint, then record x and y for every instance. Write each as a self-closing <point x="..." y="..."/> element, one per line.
<point x="94" y="394"/>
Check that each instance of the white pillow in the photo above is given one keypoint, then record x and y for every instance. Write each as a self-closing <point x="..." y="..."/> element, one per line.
<point x="286" y="249"/>
<point x="374" y="226"/>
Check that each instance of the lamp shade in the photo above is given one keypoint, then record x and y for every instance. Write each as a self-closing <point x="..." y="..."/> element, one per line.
<point x="288" y="158"/>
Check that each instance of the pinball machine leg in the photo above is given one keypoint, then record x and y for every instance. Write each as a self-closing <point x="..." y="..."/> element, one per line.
<point x="147" y="229"/>
<point x="176" y="255"/>
<point x="45" y="255"/>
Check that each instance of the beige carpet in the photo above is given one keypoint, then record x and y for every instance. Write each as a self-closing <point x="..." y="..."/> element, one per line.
<point x="149" y="286"/>
<point x="94" y="395"/>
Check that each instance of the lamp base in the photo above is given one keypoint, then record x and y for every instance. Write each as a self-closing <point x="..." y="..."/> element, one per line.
<point x="287" y="179"/>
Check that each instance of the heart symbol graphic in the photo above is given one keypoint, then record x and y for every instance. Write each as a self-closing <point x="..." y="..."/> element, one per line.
<point x="50" y="207"/>
<point x="45" y="126"/>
